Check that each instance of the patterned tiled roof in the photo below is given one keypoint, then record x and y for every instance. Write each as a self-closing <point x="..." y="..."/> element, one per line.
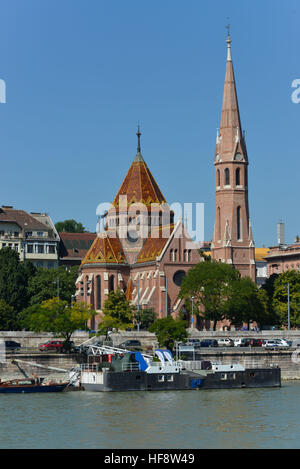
<point x="139" y="185"/>
<point x="105" y="249"/>
<point x="154" y="245"/>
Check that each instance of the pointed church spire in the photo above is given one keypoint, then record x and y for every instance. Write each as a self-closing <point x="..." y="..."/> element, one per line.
<point x="138" y="156"/>
<point x="231" y="132"/>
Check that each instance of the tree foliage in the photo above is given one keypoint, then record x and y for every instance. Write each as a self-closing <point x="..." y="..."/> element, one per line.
<point x="245" y="304"/>
<point x="169" y="330"/>
<point x="118" y="312"/>
<point x="280" y="297"/>
<point x="8" y="317"/>
<point x="49" y="283"/>
<point x="58" y="317"/>
<point x="145" y="317"/>
<point x="70" y="226"/>
<point x="209" y="283"/>
<point x="14" y="277"/>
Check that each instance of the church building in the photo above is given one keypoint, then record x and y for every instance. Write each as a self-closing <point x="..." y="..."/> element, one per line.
<point x="141" y="249"/>
<point x="232" y="239"/>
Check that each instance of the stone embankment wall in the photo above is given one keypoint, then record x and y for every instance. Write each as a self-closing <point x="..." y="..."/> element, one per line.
<point x="288" y="360"/>
<point x="10" y="370"/>
<point x="32" y="339"/>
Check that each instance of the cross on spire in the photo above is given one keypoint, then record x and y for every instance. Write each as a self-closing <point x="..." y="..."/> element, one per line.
<point x="139" y="139"/>
<point x="228" y="40"/>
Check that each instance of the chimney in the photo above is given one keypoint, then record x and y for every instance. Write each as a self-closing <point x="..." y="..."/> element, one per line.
<point x="280" y="233"/>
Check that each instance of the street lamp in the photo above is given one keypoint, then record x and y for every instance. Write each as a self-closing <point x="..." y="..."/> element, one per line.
<point x="56" y="282"/>
<point x="192" y="298"/>
<point x="289" y="315"/>
<point x="138" y="305"/>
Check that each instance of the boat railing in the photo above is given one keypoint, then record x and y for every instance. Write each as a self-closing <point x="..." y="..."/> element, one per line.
<point x="130" y="367"/>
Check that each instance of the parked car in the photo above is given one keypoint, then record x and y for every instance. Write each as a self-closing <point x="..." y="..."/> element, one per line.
<point x="225" y="342"/>
<point x="52" y="345"/>
<point x="12" y="346"/>
<point x="193" y="342"/>
<point x="255" y="342"/>
<point x="131" y="345"/>
<point x="237" y="342"/>
<point x="273" y="343"/>
<point x="286" y="342"/>
<point x="209" y="343"/>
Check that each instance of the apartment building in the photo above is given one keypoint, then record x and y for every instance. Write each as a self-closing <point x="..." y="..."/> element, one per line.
<point x="32" y="235"/>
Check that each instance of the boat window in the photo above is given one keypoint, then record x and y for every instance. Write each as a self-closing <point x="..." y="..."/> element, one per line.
<point x="224" y="376"/>
<point x="170" y="378"/>
<point x="161" y="378"/>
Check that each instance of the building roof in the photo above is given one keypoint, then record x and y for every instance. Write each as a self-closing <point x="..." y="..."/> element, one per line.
<point x="154" y="245"/>
<point x="21" y="218"/>
<point x="106" y="249"/>
<point x="139" y="185"/>
<point x="75" y="245"/>
<point x="260" y="254"/>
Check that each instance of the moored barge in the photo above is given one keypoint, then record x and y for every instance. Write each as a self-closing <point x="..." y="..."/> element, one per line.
<point x="131" y="371"/>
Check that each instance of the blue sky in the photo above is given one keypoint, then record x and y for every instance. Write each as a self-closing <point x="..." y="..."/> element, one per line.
<point x="81" y="74"/>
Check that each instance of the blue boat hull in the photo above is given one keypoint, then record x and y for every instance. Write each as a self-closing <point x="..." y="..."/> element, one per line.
<point x="31" y="389"/>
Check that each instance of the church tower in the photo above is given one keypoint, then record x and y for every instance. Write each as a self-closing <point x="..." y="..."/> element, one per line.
<point x="232" y="240"/>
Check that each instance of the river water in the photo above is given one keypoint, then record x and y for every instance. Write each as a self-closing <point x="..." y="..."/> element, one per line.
<point x="258" y="418"/>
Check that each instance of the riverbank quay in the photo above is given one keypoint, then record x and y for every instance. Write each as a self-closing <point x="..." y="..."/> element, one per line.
<point x="54" y="365"/>
<point x="29" y="339"/>
<point x="256" y="357"/>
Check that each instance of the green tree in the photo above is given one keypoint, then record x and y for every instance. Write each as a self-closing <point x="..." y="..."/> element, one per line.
<point x="14" y="277"/>
<point x="210" y="285"/>
<point x="272" y="317"/>
<point x="48" y="283"/>
<point x="58" y="317"/>
<point x="8" y="317"/>
<point x="245" y="303"/>
<point x="70" y="226"/>
<point x="118" y="312"/>
<point x="168" y="331"/>
<point x="145" y="317"/>
<point x="280" y="297"/>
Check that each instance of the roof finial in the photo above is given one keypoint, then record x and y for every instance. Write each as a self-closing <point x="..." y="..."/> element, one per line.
<point x="138" y="157"/>
<point x="139" y="139"/>
<point x="228" y="40"/>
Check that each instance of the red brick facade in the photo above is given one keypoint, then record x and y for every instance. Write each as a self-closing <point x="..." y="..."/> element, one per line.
<point x="232" y="240"/>
<point x="140" y="251"/>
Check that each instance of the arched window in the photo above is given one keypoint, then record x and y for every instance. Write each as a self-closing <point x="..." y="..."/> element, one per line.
<point x="111" y="282"/>
<point x="246" y="178"/>
<point x="98" y="290"/>
<point x="227" y="177"/>
<point x="237" y="177"/>
<point x="219" y="223"/>
<point x="218" y="178"/>
<point x="238" y="223"/>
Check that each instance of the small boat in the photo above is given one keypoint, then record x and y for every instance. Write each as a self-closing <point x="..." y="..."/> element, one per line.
<point x="27" y="385"/>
